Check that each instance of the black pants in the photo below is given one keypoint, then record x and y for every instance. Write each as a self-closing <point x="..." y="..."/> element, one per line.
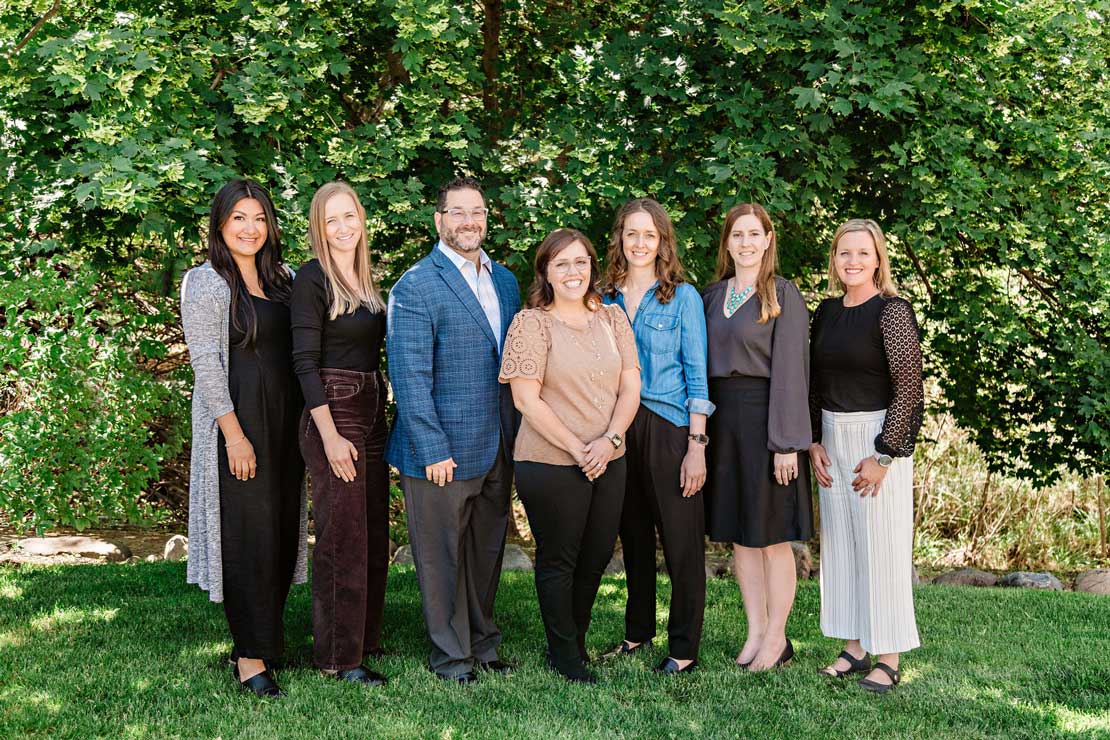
<point x="653" y="500"/>
<point x="575" y="524"/>
<point x="351" y="559"/>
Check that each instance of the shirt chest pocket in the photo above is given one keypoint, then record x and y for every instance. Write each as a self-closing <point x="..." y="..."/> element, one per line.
<point x="661" y="333"/>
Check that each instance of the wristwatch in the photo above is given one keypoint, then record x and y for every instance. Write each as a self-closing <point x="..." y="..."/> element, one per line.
<point x="615" y="439"/>
<point x="701" y="439"/>
<point x="884" y="460"/>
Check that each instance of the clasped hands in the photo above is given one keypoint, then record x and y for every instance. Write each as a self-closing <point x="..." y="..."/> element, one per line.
<point x="594" y="457"/>
<point x="869" y="473"/>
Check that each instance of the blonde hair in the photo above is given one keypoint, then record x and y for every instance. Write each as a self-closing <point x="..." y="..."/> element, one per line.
<point x="882" y="279"/>
<point x="344" y="298"/>
<point x="765" y="283"/>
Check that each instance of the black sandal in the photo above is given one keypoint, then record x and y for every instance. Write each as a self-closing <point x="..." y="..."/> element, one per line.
<point x="881" y="688"/>
<point x="856" y="665"/>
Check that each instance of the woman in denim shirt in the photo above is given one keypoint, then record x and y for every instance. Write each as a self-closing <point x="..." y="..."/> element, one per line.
<point x="666" y="442"/>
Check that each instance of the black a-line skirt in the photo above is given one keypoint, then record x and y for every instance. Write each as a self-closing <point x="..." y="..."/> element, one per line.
<point x="743" y="502"/>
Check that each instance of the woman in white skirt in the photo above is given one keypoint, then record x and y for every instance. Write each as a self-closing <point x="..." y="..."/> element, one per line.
<point x="867" y="404"/>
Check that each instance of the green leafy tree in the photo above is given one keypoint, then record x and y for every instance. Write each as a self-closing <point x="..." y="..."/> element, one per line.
<point x="975" y="133"/>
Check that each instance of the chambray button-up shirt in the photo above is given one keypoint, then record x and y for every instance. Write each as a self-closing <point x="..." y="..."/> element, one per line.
<point x="671" y="342"/>
<point x="481" y="282"/>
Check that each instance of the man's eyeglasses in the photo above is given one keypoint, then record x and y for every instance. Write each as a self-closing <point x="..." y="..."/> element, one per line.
<point x="461" y="214"/>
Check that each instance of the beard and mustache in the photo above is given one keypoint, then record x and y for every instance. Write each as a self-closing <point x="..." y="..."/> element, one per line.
<point x="466" y="238"/>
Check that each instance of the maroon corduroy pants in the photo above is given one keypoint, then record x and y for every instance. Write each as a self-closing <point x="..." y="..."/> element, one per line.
<point x="351" y="558"/>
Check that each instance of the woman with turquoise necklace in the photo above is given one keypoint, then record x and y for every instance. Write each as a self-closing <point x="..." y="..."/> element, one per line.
<point x="757" y="492"/>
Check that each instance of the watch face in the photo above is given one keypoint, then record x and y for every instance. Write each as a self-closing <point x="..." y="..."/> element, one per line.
<point x="885" y="460"/>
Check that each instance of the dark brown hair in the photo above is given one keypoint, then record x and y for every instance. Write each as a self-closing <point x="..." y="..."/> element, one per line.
<point x="764" y="284"/>
<point x="459" y="183"/>
<point x="668" y="268"/>
<point x="541" y="294"/>
<point x="272" y="276"/>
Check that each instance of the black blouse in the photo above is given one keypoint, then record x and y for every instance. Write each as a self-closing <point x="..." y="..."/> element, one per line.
<point x="351" y="341"/>
<point x="740" y="345"/>
<point x="868" y="358"/>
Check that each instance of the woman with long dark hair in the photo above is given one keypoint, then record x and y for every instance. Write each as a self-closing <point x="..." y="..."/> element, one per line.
<point x="572" y="366"/>
<point x="666" y="442"/>
<point x="246" y="509"/>
<point x="757" y="495"/>
<point x="338" y="331"/>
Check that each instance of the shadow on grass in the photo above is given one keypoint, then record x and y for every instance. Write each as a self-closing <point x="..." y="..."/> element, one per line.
<point x="131" y="650"/>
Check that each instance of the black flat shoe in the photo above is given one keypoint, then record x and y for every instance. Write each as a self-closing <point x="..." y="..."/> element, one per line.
<point x="261" y="685"/>
<point x="463" y="679"/>
<point x="855" y="665"/>
<point x="669" y="667"/>
<point x="359" y="674"/>
<point x="574" y="674"/>
<point x="496" y="666"/>
<point x="624" y="648"/>
<point x="881" y="688"/>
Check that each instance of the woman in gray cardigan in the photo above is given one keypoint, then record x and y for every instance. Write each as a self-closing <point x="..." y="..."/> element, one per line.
<point x="246" y="503"/>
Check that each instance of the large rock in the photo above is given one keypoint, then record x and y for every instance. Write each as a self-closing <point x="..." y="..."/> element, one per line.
<point x="403" y="556"/>
<point x="177" y="548"/>
<point x="1022" y="579"/>
<point x="615" y="566"/>
<point x="966" y="577"/>
<point x="1094" y="581"/>
<point x="516" y="559"/>
<point x="803" y="560"/>
<point x="83" y="547"/>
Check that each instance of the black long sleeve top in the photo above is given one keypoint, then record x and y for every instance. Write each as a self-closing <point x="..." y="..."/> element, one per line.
<point x="351" y="341"/>
<point x="868" y="358"/>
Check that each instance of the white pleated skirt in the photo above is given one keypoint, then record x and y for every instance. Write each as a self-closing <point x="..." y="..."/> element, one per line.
<point x="866" y="542"/>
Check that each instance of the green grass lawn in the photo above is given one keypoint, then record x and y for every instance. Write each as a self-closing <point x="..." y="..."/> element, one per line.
<point x="132" y="651"/>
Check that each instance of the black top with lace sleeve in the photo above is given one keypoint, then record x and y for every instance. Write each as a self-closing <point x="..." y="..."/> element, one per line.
<point x="868" y="358"/>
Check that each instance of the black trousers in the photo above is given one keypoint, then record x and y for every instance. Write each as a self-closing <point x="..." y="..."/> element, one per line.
<point x="653" y="501"/>
<point x="575" y="524"/>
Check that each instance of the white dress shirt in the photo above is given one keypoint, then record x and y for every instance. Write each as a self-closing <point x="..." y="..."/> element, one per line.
<point x="481" y="284"/>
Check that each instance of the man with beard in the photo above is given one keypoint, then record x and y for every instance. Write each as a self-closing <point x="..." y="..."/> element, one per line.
<point x="452" y="439"/>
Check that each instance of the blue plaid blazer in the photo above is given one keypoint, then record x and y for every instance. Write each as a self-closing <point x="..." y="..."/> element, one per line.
<point x="443" y="366"/>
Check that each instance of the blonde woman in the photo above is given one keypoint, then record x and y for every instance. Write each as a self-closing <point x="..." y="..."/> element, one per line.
<point x="338" y="321"/>
<point x="757" y="495"/>
<point x="867" y="404"/>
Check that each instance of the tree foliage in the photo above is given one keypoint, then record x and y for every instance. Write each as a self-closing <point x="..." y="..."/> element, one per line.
<point x="974" y="132"/>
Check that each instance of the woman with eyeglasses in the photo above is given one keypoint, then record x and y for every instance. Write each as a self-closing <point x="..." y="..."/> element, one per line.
<point x="666" y="442"/>
<point x="575" y="377"/>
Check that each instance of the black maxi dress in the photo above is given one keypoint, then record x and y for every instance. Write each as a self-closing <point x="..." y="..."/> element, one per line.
<point x="260" y="517"/>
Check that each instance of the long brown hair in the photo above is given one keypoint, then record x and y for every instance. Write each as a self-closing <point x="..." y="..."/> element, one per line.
<point x="765" y="283"/>
<point x="344" y="298"/>
<point x="881" y="278"/>
<point x="668" y="267"/>
<point x="541" y="294"/>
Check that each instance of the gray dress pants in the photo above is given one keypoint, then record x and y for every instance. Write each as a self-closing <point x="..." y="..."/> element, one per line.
<point x="457" y="533"/>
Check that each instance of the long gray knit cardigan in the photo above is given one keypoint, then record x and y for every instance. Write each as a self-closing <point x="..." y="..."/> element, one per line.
<point x="205" y="305"/>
